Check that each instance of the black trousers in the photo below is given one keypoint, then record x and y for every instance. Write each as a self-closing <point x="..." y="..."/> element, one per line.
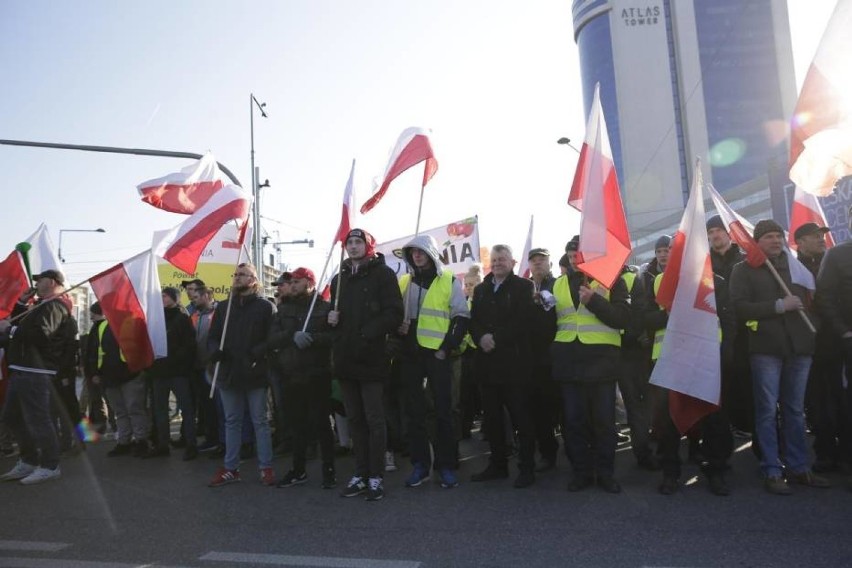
<point x="516" y="398"/>
<point x="546" y="401"/>
<point x="638" y="400"/>
<point x="309" y="406"/>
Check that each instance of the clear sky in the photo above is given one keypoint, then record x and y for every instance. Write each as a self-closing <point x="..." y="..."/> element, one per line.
<point x="496" y="80"/>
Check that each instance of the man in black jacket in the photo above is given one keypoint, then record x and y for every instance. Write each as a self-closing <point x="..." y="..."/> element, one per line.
<point x="780" y="348"/>
<point x="834" y="302"/>
<point x="302" y="358"/>
<point x="243" y="372"/>
<point x="500" y="326"/>
<point x="35" y="340"/>
<point x="370" y="308"/>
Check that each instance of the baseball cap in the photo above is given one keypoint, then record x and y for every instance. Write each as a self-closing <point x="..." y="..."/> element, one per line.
<point x="52" y="274"/>
<point x="305" y="273"/>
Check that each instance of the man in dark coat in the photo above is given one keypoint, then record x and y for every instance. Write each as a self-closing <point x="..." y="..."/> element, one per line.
<point x="302" y="358"/>
<point x="500" y="326"/>
<point x="243" y="374"/>
<point x="370" y="308"/>
<point x="780" y="348"/>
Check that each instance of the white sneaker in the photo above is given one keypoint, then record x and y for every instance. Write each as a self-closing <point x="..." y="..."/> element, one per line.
<point x="40" y="475"/>
<point x="20" y="471"/>
<point x="390" y="462"/>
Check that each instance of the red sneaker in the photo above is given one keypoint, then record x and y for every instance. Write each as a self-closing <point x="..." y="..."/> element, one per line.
<point x="224" y="477"/>
<point x="267" y="476"/>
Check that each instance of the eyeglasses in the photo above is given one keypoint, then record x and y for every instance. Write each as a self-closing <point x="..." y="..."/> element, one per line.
<point x="238" y="274"/>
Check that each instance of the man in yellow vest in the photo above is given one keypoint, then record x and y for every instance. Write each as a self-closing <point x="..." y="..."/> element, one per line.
<point x="436" y="321"/>
<point x="586" y="353"/>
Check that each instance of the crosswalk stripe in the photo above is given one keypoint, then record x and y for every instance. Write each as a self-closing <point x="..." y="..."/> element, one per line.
<point x="32" y="546"/>
<point x="315" y="561"/>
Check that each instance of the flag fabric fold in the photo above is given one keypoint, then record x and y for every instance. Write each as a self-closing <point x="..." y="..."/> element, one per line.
<point x="183" y="245"/>
<point x="187" y="190"/>
<point x="690" y="363"/>
<point x="130" y="296"/>
<point x="14" y="281"/>
<point x="42" y="255"/>
<point x="524" y="265"/>
<point x="604" y="238"/>
<point x="347" y="211"/>
<point x="412" y="147"/>
<point x="806" y="209"/>
<point x="821" y="128"/>
<point x="741" y="232"/>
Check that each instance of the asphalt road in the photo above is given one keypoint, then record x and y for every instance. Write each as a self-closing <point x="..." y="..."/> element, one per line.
<point x="126" y="512"/>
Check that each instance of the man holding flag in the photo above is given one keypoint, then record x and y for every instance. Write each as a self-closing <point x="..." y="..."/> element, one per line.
<point x="780" y="349"/>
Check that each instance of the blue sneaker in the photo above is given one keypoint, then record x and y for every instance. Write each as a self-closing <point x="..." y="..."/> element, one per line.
<point x="418" y="476"/>
<point x="448" y="478"/>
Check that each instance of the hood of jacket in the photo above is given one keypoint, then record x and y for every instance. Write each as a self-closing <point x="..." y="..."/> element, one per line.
<point x="427" y="244"/>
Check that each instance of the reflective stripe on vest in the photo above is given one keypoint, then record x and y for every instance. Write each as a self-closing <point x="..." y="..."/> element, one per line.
<point x="433" y="321"/>
<point x="102" y="325"/>
<point x="579" y="323"/>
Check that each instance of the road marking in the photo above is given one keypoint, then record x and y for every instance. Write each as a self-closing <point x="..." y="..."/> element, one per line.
<point x="64" y="563"/>
<point x="316" y="561"/>
<point x="33" y="546"/>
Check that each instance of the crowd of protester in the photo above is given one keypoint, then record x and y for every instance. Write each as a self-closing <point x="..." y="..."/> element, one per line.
<point x="408" y="367"/>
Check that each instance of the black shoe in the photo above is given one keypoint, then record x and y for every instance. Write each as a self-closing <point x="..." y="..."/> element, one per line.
<point x="140" y="448"/>
<point x="208" y="447"/>
<point x="489" y="473"/>
<point x="120" y="450"/>
<point x="292" y="478"/>
<point x="648" y="463"/>
<point x="329" y="479"/>
<point x="356" y="486"/>
<point x="190" y="453"/>
<point x="375" y="489"/>
<point x="609" y="484"/>
<point x="158" y="452"/>
<point x="668" y="486"/>
<point x="718" y="486"/>
<point x="524" y="479"/>
<point x="546" y="464"/>
<point x="579" y="482"/>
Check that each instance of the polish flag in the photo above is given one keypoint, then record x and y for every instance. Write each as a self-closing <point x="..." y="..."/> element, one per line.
<point x="689" y="364"/>
<point x="413" y="147"/>
<point x="131" y="298"/>
<point x="41" y="254"/>
<point x="821" y="128"/>
<point x="806" y="209"/>
<point x="604" y="239"/>
<point x="347" y="212"/>
<point x="187" y="190"/>
<point x="183" y="245"/>
<point x="524" y="266"/>
<point x="741" y="232"/>
<point x="14" y="281"/>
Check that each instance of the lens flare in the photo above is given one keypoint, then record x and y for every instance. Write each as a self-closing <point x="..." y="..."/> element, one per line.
<point x="727" y="152"/>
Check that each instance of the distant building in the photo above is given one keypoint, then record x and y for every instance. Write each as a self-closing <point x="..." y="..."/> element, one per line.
<point x="682" y="79"/>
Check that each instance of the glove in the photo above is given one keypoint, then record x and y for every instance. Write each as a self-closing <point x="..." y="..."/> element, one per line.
<point x="217" y="356"/>
<point x="302" y="339"/>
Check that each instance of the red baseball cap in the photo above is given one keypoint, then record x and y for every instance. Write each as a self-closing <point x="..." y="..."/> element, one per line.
<point x="305" y="273"/>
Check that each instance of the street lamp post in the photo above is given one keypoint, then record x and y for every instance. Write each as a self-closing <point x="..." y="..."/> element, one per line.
<point x="59" y="252"/>
<point x="567" y="142"/>
<point x="257" y="250"/>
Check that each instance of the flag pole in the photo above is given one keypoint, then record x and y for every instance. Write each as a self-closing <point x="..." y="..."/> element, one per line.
<point x="225" y="325"/>
<point x="316" y="288"/>
<point x="52" y="298"/>
<point x="339" y="279"/>
<point x="789" y="293"/>
<point x="416" y="232"/>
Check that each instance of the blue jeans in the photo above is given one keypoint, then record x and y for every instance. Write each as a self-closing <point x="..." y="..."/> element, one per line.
<point x="27" y="414"/>
<point x="234" y="402"/>
<point x="780" y="381"/>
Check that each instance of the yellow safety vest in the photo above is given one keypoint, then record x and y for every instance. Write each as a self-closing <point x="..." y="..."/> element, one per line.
<point x="102" y="325"/>
<point x="660" y="333"/>
<point x="630" y="281"/>
<point x="579" y="323"/>
<point x="433" y="322"/>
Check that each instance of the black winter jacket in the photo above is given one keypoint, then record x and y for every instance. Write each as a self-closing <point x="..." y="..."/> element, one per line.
<point x="39" y="340"/>
<point x="180" y="338"/>
<point x="301" y="365"/>
<point x="507" y="315"/>
<point x="370" y="309"/>
<point x="112" y="370"/>
<point x="244" y="365"/>
<point x="834" y="288"/>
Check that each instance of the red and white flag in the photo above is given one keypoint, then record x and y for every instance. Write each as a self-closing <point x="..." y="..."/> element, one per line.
<point x="348" y="210"/>
<point x="741" y="232"/>
<point x="524" y="265"/>
<point x="821" y="129"/>
<point x="604" y="239"/>
<point x="806" y="209"/>
<point x="132" y="302"/>
<point x="14" y="281"/>
<point x="413" y="147"/>
<point x="187" y="190"/>
<point x="41" y="255"/>
<point x="183" y="245"/>
<point x="689" y="364"/>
